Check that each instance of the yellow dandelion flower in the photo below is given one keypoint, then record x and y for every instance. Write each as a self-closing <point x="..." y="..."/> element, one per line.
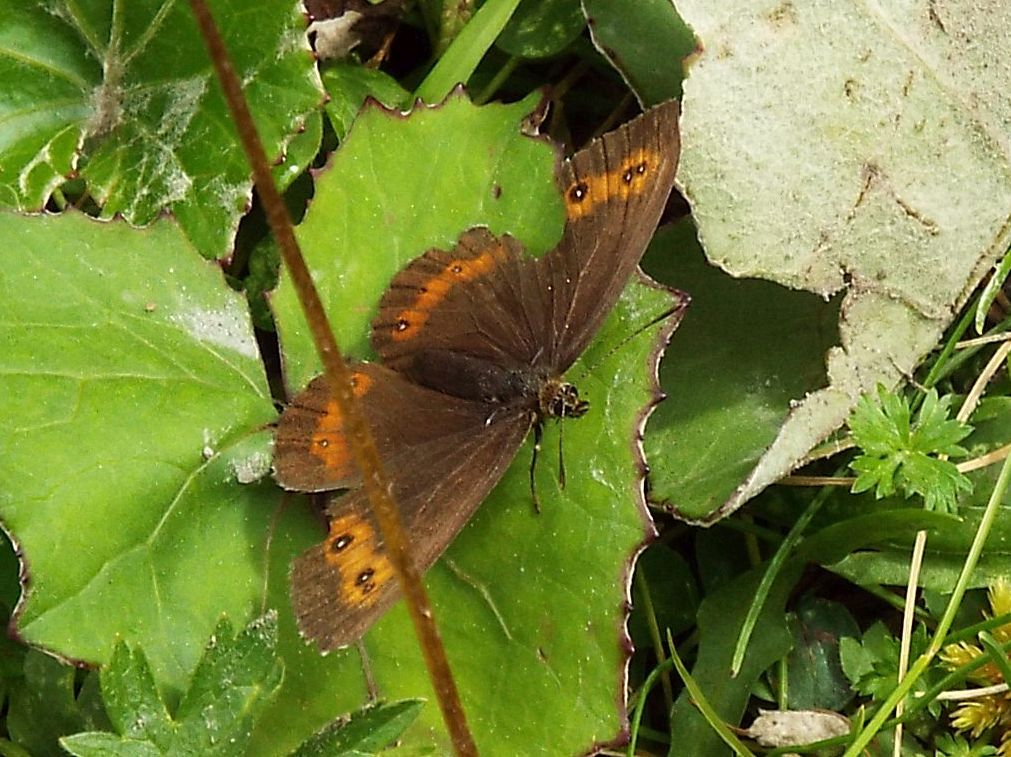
<point x="977" y="715"/>
<point x="990" y="711"/>
<point x="1000" y="604"/>
<point x="961" y="653"/>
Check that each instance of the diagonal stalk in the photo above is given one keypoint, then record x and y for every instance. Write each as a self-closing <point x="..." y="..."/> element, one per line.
<point x="338" y="379"/>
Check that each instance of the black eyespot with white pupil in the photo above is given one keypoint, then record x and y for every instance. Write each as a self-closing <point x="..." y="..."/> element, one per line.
<point x="341" y="542"/>
<point x="631" y="172"/>
<point x="578" y="192"/>
<point x="365" y="576"/>
<point x="402" y="324"/>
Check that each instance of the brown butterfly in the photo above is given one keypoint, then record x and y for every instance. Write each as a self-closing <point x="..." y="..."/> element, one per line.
<point x="473" y="343"/>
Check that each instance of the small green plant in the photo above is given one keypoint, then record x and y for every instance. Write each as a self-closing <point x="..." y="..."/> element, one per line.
<point x="238" y="677"/>
<point x="900" y="454"/>
<point x="872" y="662"/>
<point x="957" y="746"/>
<point x="233" y="683"/>
<point x="980" y="717"/>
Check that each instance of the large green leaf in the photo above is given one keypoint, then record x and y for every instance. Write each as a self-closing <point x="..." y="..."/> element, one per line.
<point x="132" y="408"/>
<point x="531" y="607"/>
<point x="641" y="43"/>
<point x="887" y="159"/>
<point x="132" y="395"/>
<point x="125" y="94"/>
<point x="729" y="378"/>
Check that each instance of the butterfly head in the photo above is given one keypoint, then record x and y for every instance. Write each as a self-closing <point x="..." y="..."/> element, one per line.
<point x="560" y="399"/>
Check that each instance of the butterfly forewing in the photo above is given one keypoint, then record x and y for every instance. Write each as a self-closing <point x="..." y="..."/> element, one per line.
<point x="486" y="299"/>
<point x="615" y="191"/>
<point x="473" y="299"/>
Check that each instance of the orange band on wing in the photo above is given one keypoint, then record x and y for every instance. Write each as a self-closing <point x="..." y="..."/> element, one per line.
<point x="631" y="178"/>
<point x="328" y="441"/>
<point x="353" y="548"/>
<point x="436" y="289"/>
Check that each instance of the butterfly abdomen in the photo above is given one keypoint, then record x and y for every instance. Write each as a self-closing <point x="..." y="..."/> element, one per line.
<point x="473" y="377"/>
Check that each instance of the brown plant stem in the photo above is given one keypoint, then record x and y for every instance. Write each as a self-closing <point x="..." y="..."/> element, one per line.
<point x="339" y="381"/>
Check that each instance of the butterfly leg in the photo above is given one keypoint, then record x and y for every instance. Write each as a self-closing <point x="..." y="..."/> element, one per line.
<point x="370" y="679"/>
<point x="538" y="434"/>
<point x="561" y="458"/>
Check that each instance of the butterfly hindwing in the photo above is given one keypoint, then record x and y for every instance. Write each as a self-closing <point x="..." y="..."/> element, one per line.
<point x="310" y="452"/>
<point x="442" y="456"/>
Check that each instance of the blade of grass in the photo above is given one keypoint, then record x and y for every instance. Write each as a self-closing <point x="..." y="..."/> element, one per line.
<point x="991" y="290"/>
<point x="498" y="80"/>
<point x="642" y="590"/>
<point x="940" y="368"/>
<point x="699" y="698"/>
<point x="461" y="58"/>
<point x="776" y="564"/>
<point x="997" y="655"/>
<point x="640" y="703"/>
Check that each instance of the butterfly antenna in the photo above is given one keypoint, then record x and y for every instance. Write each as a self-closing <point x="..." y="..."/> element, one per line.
<point x="538" y="433"/>
<point x="674" y="311"/>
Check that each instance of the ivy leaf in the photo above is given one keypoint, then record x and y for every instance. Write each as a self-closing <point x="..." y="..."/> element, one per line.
<point x="127" y="101"/>
<point x="901" y="455"/>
